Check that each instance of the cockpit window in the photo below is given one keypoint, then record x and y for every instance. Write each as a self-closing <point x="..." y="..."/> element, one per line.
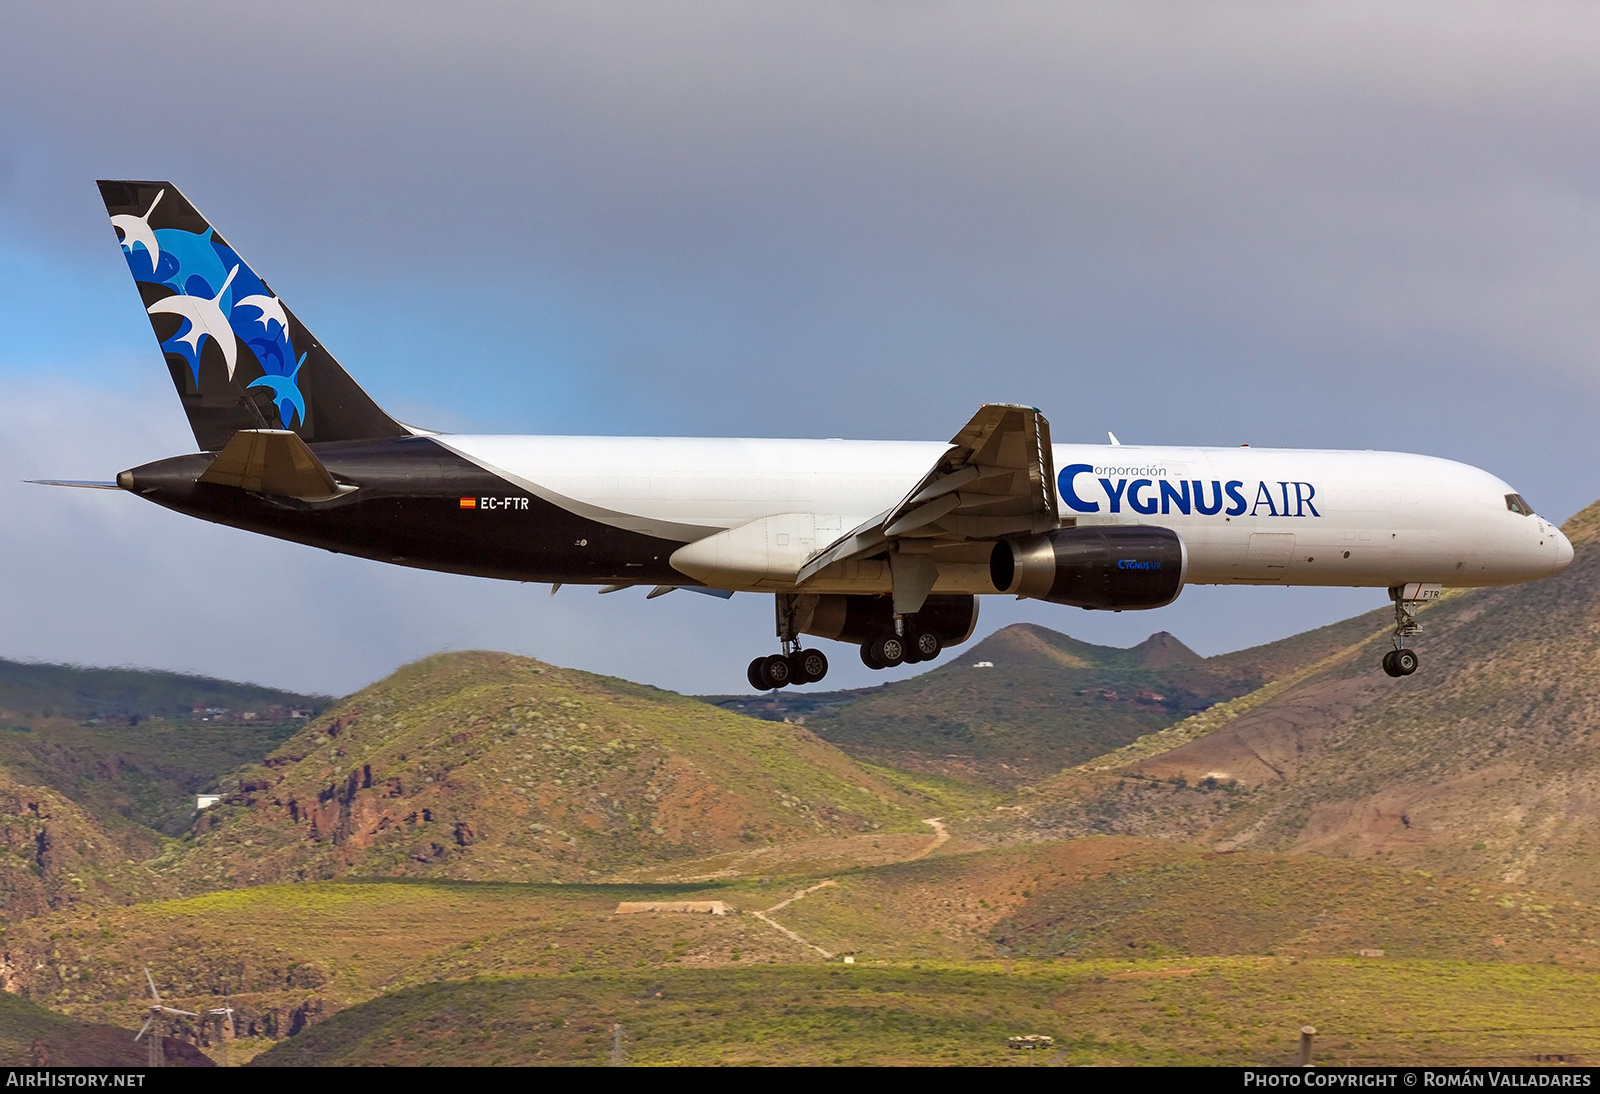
<point x="1515" y="503"/>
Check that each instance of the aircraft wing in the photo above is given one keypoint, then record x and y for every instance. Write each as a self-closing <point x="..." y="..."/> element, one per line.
<point x="994" y="481"/>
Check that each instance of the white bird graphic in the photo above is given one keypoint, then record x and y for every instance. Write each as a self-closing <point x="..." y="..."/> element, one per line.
<point x="205" y="317"/>
<point x="138" y="230"/>
<point x="270" y="308"/>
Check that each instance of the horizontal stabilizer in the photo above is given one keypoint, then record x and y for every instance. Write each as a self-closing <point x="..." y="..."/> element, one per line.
<point x="81" y="484"/>
<point x="273" y="461"/>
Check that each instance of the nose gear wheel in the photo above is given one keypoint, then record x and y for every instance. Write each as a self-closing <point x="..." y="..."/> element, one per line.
<point x="1402" y="661"/>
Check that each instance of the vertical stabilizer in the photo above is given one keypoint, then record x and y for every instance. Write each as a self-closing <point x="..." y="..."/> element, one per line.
<point x="238" y="357"/>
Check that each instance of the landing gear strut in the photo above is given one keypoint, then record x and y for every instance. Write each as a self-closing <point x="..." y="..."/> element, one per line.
<point x="1402" y="661"/>
<point x="794" y="665"/>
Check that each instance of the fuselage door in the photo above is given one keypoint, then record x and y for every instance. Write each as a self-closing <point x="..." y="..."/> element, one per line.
<point x="1268" y="556"/>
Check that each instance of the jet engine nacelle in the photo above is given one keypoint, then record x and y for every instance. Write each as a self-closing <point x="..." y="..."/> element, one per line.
<point x="1111" y="567"/>
<point x="859" y="619"/>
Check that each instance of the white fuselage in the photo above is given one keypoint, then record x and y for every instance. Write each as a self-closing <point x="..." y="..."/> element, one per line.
<point x="1246" y="515"/>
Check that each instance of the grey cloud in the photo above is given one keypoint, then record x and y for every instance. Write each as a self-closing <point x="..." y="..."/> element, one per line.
<point x="1334" y="224"/>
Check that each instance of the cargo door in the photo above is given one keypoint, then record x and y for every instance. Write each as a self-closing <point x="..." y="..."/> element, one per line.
<point x="1268" y="556"/>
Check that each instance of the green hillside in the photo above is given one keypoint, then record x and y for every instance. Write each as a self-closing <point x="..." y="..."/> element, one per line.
<point x="31" y="1036"/>
<point x="1228" y="1011"/>
<point x="54" y="855"/>
<point x="287" y="956"/>
<point x="1047" y="701"/>
<point x="1041" y="700"/>
<point x="1486" y="762"/>
<point x="133" y="746"/>
<point x="488" y="766"/>
<point x="76" y="692"/>
<point x="1274" y="660"/>
<point x="1178" y="902"/>
<point x="1126" y="897"/>
<point x="144" y="775"/>
<point x="291" y="956"/>
<point x="430" y="871"/>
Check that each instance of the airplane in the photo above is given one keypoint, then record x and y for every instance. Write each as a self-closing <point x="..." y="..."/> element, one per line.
<point x="885" y="545"/>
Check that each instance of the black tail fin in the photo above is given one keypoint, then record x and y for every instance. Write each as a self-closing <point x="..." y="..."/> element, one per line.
<point x="239" y="358"/>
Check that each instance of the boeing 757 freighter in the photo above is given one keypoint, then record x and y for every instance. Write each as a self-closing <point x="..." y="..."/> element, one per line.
<point x="886" y="545"/>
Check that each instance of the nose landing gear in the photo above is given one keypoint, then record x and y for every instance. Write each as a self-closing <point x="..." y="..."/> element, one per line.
<point x="1402" y="661"/>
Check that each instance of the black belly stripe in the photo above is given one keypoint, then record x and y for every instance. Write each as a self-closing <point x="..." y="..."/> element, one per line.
<point x="408" y="510"/>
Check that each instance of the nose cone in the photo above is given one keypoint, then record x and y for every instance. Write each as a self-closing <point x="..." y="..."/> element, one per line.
<point x="1563" y="550"/>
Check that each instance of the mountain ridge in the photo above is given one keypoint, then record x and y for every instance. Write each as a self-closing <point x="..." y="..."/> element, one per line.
<point x="83" y="691"/>
<point x="482" y="765"/>
<point x="1028" y="701"/>
<point x="1486" y="762"/>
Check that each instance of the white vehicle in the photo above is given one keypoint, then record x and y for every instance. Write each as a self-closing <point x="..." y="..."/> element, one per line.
<point x="885" y="545"/>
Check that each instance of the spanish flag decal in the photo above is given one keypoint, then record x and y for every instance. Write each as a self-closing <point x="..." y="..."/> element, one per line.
<point x="469" y="503"/>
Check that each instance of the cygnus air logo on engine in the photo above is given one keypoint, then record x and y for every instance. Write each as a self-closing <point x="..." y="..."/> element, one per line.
<point x="1151" y="490"/>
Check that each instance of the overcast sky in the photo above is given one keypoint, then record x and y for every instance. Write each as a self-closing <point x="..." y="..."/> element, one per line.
<point x="1330" y="225"/>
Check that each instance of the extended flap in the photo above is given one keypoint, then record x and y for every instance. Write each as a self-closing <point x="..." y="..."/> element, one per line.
<point x="995" y="480"/>
<point x="272" y="461"/>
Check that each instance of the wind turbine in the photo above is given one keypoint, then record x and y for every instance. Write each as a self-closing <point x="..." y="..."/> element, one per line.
<point x="157" y="1019"/>
<point x="225" y="1031"/>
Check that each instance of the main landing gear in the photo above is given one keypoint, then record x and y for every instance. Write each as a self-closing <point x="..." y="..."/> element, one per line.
<point x="794" y="665"/>
<point x="888" y="650"/>
<point x="1402" y="661"/>
<point x="909" y="642"/>
<point x="782" y="669"/>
